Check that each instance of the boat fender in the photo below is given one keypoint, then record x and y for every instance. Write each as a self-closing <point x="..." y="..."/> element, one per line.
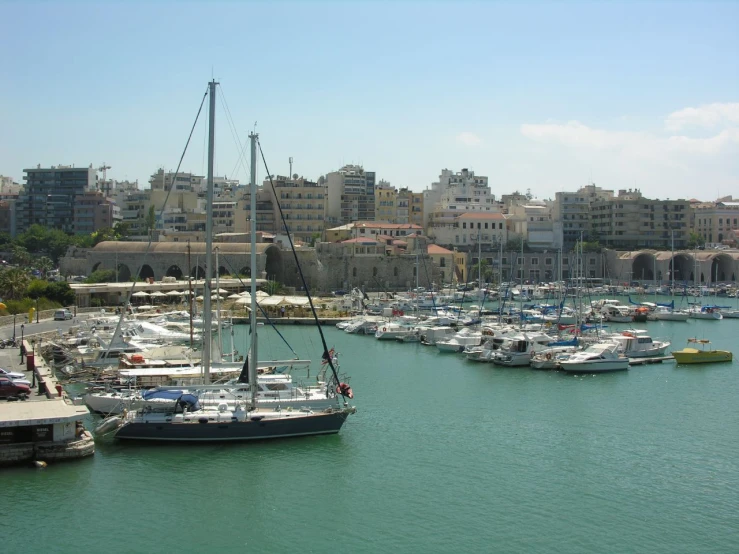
<point x="344" y="390"/>
<point x="549" y="356"/>
<point x="203" y="420"/>
<point x="384" y="329"/>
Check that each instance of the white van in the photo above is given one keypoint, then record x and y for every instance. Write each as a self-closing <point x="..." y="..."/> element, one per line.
<point x="61" y="315"/>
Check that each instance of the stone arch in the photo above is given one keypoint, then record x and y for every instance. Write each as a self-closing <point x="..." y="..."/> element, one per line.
<point x="146" y="272"/>
<point x="642" y="268"/>
<point x="222" y="271"/>
<point x="197" y="272"/>
<point x="273" y="264"/>
<point x="681" y="268"/>
<point x="722" y="266"/>
<point x="395" y="271"/>
<point x="354" y="272"/>
<point x="374" y="272"/>
<point x="245" y="271"/>
<point x="96" y="267"/>
<point x="174" y="271"/>
<point x="124" y="272"/>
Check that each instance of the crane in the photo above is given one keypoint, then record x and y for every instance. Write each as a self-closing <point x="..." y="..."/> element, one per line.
<point x="104" y="168"/>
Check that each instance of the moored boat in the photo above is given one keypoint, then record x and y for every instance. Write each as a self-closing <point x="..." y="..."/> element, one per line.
<point x="701" y="355"/>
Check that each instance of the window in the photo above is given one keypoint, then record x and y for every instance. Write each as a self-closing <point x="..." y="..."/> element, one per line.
<point x="534" y="261"/>
<point x="442" y="262"/>
<point x="464" y="225"/>
<point x="519" y="260"/>
<point x="547" y="261"/>
<point x="486" y="225"/>
<point x="591" y="261"/>
<point x="354" y="272"/>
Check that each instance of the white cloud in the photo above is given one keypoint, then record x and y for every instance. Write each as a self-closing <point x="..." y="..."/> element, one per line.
<point x="468" y="139"/>
<point x="708" y="116"/>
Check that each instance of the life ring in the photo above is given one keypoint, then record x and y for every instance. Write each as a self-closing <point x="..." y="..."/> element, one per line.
<point x="549" y="356"/>
<point x="384" y="329"/>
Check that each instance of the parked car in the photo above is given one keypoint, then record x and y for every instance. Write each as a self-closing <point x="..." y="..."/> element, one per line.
<point x="9" y="388"/>
<point x="11" y="374"/>
<point x="61" y="315"/>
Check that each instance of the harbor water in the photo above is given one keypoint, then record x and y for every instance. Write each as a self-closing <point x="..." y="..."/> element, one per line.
<point x="443" y="455"/>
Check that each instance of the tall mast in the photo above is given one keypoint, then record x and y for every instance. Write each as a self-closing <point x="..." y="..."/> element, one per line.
<point x="189" y="288"/>
<point x="218" y="308"/>
<point x="207" y="315"/>
<point x="253" y="265"/>
<point x="672" y="263"/>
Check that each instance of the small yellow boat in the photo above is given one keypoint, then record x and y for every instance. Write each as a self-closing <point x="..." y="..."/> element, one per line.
<point x="702" y="355"/>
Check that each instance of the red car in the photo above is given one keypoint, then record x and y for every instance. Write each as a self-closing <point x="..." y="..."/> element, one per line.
<point x="8" y="388"/>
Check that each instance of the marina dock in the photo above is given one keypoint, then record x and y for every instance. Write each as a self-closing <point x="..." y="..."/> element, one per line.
<point x="46" y="426"/>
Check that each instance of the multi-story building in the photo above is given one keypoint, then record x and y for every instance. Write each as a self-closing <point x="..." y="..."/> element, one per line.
<point x="386" y="203"/>
<point x="630" y="221"/>
<point x="9" y="188"/>
<point x="572" y="210"/>
<point x="452" y="195"/>
<point x="533" y="221"/>
<point x="473" y="229"/>
<point x="184" y="181"/>
<point x="49" y="195"/>
<point x="415" y="206"/>
<point x="7" y="217"/>
<point x="134" y="207"/>
<point x="94" y="211"/>
<point x="362" y="229"/>
<point x="303" y="204"/>
<point x="350" y="195"/>
<point x="714" y="220"/>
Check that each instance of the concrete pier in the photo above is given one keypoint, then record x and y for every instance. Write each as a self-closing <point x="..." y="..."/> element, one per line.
<point x="46" y="426"/>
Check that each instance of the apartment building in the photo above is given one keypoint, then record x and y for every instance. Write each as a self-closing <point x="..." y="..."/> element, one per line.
<point x="49" y="194"/>
<point x="350" y="195"/>
<point x="182" y="182"/>
<point x="630" y="221"/>
<point x="472" y="229"/>
<point x="572" y="210"/>
<point x="714" y="221"/>
<point x="386" y="204"/>
<point x="533" y="220"/>
<point x="94" y="211"/>
<point x="303" y="204"/>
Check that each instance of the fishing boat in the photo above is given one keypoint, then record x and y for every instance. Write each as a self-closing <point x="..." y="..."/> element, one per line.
<point x="636" y="343"/>
<point x="242" y="419"/>
<point x="701" y="355"/>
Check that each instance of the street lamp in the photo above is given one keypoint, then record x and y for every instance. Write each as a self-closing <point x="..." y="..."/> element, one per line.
<point x="36" y="309"/>
<point x="14" y="315"/>
<point x="23" y="351"/>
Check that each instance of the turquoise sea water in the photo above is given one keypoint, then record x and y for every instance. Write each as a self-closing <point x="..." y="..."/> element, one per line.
<point x="443" y="455"/>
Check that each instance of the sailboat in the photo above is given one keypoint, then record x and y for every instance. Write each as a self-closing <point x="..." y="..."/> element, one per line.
<point x="669" y="313"/>
<point x="239" y="419"/>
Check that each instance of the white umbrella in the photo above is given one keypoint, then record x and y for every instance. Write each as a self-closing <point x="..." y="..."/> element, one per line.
<point x="215" y="297"/>
<point x="175" y="293"/>
<point x="221" y="291"/>
<point x="234" y="296"/>
<point x="201" y="298"/>
<point x="158" y="293"/>
<point x="243" y="300"/>
<point x="140" y="294"/>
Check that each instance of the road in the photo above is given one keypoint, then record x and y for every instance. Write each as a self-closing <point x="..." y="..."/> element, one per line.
<point x="44" y="326"/>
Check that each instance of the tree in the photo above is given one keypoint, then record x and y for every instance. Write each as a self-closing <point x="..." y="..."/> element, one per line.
<point x="482" y="268"/>
<point x="36" y="289"/>
<point x="13" y="283"/>
<point x="60" y="292"/>
<point x="101" y="276"/>
<point x="695" y="240"/>
<point x="21" y="256"/>
<point x="514" y="244"/>
<point x="44" y="265"/>
<point x="151" y="218"/>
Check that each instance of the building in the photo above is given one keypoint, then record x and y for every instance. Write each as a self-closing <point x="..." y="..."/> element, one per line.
<point x="414" y="202"/>
<point x="350" y="194"/>
<point x="49" y="195"/>
<point x="9" y="188"/>
<point x="533" y="220"/>
<point x="713" y="221"/>
<point x="630" y="221"/>
<point x="572" y="211"/>
<point x="183" y="182"/>
<point x="303" y="204"/>
<point x="93" y="211"/>
<point x="386" y="204"/>
<point x="454" y="194"/>
<point x="470" y="229"/>
<point x="444" y="259"/>
<point x="371" y="229"/>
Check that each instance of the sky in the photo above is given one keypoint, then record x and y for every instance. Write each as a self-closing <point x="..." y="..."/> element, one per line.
<point x="543" y="96"/>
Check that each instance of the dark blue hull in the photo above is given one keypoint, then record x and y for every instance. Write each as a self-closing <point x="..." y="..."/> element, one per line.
<point x="258" y="429"/>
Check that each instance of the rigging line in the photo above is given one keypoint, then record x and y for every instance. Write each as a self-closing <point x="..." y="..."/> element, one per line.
<point x="264" y="313"/>
<point x="161" y="215"/>
<point x="205" y="141"/>
<point x="242" y="149"/>
<point x="232" y="128"/>
<point x="326" y="355"/>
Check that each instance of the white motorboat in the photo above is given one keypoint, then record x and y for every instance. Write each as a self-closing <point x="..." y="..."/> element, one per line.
<point x="636" y="343"/>
<point x="517" y="350"/>
<point x="598" y="358"/>
<point x="459" y="341"/>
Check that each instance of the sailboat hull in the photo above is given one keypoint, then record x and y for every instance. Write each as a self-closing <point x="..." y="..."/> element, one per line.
<point x="298" y="425"/>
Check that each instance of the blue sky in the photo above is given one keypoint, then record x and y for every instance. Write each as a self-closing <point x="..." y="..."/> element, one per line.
<point x="545" y="96"/>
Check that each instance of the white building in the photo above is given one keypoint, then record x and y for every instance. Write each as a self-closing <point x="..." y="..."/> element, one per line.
<point x="534" y="221"/>
<point x="487" y="229"/>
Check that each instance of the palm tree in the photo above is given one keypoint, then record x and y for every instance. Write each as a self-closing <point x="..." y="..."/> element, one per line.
<point x="21" y="257"/>
<point x="13" y="283"/>
<point x="44" y="265"/>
